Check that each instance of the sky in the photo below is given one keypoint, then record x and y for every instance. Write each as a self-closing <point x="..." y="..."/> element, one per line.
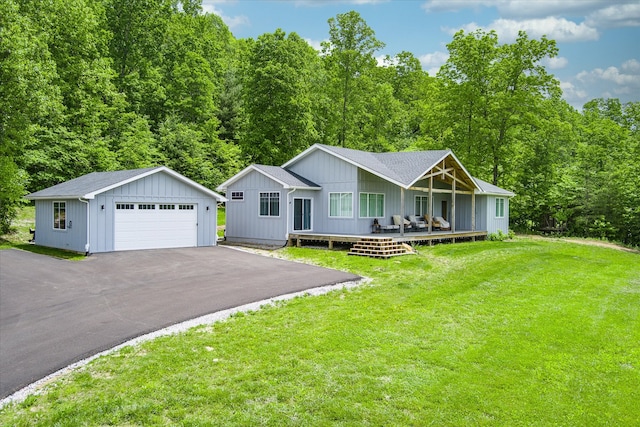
<point x="598" y="40"/>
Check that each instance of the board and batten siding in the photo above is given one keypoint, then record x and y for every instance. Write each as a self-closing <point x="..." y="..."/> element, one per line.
<point x="333" y="175"/>
<point x="156" y="188"/>
<point x="244" y="223"/>
<point x="493" y="223"/>
<point x="73" y="237"/>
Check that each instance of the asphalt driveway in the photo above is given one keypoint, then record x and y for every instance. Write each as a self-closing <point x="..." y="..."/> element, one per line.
<point x="55" y="312"/>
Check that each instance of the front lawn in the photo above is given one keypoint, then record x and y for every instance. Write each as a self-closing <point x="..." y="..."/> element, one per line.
<point x="487" y="333"/>
<point x="19" y="236"/>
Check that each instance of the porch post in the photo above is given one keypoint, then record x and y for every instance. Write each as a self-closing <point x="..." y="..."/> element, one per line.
<point x="430" y="204"/>
<point x="453" y="203"/>
<point x="473" y="209"/>
<point x="402" y="211"/>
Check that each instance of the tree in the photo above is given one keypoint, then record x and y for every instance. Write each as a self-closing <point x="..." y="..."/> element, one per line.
<point x="492" y="89"/>
<point x="138" y="30"/>
<point x="278" y="98"/>
<point x="349" y="55"/>
<point x="29" y="101"/>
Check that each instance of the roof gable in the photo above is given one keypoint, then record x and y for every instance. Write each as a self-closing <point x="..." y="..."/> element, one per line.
<point x="401" y="168"/>
<point x="284" y="177"/>
<point x="92" y="184"/>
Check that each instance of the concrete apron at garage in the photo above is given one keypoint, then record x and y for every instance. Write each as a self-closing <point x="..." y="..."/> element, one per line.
<point x="55" y="312"/>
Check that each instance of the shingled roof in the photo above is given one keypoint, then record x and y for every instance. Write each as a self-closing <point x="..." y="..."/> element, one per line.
<point x="89" y="185"/>
<point x="402" y="168"/>
<point x="286" y="178"/>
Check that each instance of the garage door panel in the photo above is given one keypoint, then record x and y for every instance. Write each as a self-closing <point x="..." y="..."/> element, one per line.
<point x="155" y="228"/>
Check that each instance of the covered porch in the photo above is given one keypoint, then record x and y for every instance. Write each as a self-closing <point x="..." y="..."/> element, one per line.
<point x="448" y="178"/>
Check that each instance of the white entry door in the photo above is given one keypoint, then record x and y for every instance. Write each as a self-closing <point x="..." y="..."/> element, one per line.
<point x="155" y="226"/>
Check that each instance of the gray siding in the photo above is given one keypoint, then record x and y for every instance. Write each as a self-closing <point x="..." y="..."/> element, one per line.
<point x="481" y="213"/>
<point x="494" y="224"/>
<point x="74" y="237"/>
<point x="334" y="176"/>
<point x="156" y="188"/>
<point x="244" y="223"/>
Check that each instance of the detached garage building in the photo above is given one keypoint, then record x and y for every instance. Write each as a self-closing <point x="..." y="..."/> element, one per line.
<point x="149" y="208"/>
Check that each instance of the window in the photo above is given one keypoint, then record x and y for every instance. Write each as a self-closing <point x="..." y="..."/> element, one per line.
<point x="341" y="205"/>
<point x="146" y="207"/>
<point x="59" y="215"/>
<point x="269" y="204"/>
<point x="237" y="196"/>
<point x="422" y="205"/>
<point x="185" y="207"/>
<point x="499" y="208"/>
<point x="127" y="206"/>
<point x="371" y="205"/>
<point x="166" y="207"/>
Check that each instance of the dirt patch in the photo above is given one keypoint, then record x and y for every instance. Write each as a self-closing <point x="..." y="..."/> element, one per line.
<point x="588" y="242"/>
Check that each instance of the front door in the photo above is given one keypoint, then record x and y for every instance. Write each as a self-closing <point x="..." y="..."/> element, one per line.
<point x="444" y="210"/>
<point x="301" y="214"/>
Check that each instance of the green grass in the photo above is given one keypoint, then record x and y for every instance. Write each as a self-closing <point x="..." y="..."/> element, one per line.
<point x="488" y="333"/>
<point x="19" y="236"/>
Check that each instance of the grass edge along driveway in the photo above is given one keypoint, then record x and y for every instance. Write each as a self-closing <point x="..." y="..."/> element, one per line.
<point x="486" y="333"/>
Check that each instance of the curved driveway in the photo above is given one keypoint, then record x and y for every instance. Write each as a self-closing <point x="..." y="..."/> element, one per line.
<point x="55" y="312"/>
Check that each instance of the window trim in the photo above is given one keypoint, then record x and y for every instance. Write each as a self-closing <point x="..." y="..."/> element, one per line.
<point x="360" y="204"/>
<point x="270" y="195"/>
<point x="54" y="210"/>
<point x="237" y="196"/>
<point x="303" y="198"/>
<point x="500" y="207"/>
<point x="426" y="201"/>
<point x="340" y="193"/>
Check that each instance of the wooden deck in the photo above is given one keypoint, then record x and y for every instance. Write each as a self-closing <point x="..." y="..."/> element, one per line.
<point x="298" y="239"/>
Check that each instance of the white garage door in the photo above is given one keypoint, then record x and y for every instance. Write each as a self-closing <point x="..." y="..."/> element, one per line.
<point x="154" y="225"/>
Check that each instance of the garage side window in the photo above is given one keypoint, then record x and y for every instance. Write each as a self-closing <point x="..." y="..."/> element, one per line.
<point x="237" y="196"/>
<point x="269" y="204"/>
<point x="59" y="215"/>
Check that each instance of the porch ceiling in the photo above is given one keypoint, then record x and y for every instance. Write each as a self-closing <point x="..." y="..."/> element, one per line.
<point x="448" y="170"/>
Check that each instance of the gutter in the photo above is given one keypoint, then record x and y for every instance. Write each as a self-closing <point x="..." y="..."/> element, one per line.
<point x="288" y="203"/>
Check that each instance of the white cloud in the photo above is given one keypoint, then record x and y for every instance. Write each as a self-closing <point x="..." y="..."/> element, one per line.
<point x="333" y="2"/>
<point x="209" y="6"/>
<point x="555" y="63"/>
<point x="617" y="15"/>
<point x="618" y="82"/>
<point x="522" y="8"/>
<point x="573" y="95"/>
<point x="631" y="66"/>
<point x="559" y="29"/>
<point x="610" y="74"/>
<point x="316" y="44"/>
<point x="431" y="62"/>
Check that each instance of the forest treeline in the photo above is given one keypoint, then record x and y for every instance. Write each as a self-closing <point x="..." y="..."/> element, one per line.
<point x="96" y="85"/>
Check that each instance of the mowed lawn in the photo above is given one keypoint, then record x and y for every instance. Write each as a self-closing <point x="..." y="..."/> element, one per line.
<point x="527" y="332"/>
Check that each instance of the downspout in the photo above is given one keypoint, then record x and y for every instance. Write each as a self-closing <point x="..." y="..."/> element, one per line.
<point x="87" y="246"/>
<point x="288" y="203"/>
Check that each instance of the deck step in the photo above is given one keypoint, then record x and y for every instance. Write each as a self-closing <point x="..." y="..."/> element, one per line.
<point x="379" y="248"/>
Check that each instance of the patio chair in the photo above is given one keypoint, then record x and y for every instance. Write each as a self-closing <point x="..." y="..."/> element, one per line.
<point x="435" y="225"/>
<point x="398" y="220"/>
<point x="444" y="225"/>
<point x="416" y="223"/>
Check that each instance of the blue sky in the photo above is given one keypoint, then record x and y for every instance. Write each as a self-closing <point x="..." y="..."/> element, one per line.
<point x="599" y="40"/>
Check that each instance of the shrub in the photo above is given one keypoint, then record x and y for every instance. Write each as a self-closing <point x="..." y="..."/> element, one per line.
<point x="500" y="236"/>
